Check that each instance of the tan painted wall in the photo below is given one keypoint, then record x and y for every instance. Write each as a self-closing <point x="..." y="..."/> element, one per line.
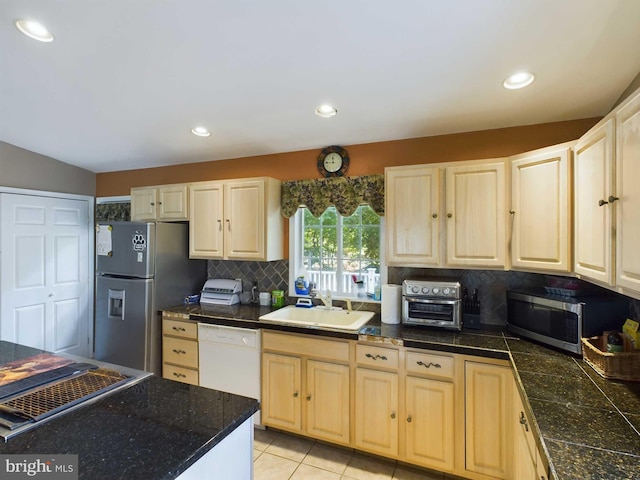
<point x="365" y="159"/>
<point x="21" y="168"/>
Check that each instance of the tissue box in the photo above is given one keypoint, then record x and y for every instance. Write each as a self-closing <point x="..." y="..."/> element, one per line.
<point x="630" y="329"/>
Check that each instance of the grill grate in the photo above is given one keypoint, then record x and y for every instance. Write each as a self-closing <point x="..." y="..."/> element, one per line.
<point x="52" y="398"/>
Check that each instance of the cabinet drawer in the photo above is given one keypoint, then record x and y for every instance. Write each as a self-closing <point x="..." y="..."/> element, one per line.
<point x="377" y="356"/>
<point x="180" y="351"/>
<point x="180" y="374"/>
<point x="180" y="329"/>
<point x="309" y="345"/>
<point x="429" y="363"/>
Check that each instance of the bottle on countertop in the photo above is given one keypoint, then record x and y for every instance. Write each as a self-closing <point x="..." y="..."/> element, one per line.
<point x="377" y="290"/>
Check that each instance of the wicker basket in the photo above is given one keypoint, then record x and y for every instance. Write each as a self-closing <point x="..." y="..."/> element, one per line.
<point x="618" y="366"/>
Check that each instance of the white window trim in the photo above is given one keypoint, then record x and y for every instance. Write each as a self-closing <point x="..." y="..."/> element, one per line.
<point x="295" y="257"/>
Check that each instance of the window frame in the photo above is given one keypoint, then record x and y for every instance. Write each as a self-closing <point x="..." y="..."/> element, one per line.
<point x="296" y="251"/>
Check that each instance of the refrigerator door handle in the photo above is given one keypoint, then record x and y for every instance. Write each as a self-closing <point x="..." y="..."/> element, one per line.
<point x="116" y="304"/>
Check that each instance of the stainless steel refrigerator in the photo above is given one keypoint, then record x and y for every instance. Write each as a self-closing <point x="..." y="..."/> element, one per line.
<point x="140" y="269"/>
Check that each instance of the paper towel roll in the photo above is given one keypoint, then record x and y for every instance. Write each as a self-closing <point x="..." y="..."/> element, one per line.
<point x="391" y="309"/>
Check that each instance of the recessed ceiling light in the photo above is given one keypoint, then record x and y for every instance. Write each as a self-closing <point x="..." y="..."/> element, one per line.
<point x="34" y="30"/>
<point x="200" y="131"/>
<point x="518" y="80"/>
<point x="326" y="111"/>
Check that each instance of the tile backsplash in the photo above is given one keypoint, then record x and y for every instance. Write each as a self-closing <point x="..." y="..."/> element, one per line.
<point x="492" y="285"/>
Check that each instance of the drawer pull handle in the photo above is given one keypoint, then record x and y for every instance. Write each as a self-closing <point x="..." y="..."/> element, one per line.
<point x="428" y="365"/>
<point x="409" y="419"/>
<point x="602" y="202"/>
<point x="612" y="199"/>
<point x="375" y="357"/>
<point x="179" y="375"/>
<point x="523" y="421"/>
<point x="175" y="350"/>
<point x="295" y="395"/>
<point x="179" y="329"/>
<point x="393" y="414"/>
<point x="308" y="398"/>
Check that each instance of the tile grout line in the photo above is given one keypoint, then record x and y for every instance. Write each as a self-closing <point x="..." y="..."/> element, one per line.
<point x="591" y="446"/>
<point x="607" y="397"/>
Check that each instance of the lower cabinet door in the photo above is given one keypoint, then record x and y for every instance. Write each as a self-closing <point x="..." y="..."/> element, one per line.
<point x="281" y="391"/>
<point x="488" y="417"/>
<point x="376" y="424"/>
<point x="327" y="401"/>
<point x="430" y="423"/>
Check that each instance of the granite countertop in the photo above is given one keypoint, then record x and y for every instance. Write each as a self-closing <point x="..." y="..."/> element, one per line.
<point x="154" y="429"/>
<point x="589" y="427"/>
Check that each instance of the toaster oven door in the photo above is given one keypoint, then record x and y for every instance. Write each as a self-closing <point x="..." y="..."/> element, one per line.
<point x="434" y="312"/>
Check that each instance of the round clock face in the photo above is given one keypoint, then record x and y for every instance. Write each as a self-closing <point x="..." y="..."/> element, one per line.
<point x="333" y="162"/>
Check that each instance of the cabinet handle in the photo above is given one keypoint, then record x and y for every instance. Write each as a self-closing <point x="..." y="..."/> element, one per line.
<point x="152" y="204"/>
<point x="523" y="421"/>
<point x="308" y="398"/>
<point x="219" y="224"/>
<point x="295" y="395"/>
<point x="409" y="419"/>
<point x="429" y="365"/>
<point x="179" y="375"/>
<point x="179" y="329"/>
<point x="435" y="215"/>
<point x="228" y="224"/>
<point x="602" y="202"/>
<point x="393" y="414"/>
<point x="375" y="357"/>
<point x="178" y="351"/>
<point x="449" y="215"/>
<point x="612" y="199"/>
<point x="512" y="212"/>
<point x="159" y="203"/>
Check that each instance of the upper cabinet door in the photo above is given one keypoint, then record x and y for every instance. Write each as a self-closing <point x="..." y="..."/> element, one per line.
<point x="206" y="220"/>
<point x="412" y="216"/>
<point x="172" y="202"/>
<point x="143" y="204"/>
<point x="627" y="196"/>
<point x="476" y="215"/>
<point x="244" y="219"/>
<point x="593" y="184"/>
<point x="540" y="209"/>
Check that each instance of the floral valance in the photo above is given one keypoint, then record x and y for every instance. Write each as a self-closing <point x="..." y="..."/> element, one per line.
<point x="345" y="193"/>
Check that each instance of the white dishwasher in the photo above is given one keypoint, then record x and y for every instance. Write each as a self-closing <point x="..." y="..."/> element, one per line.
<point x="229" y="360"/>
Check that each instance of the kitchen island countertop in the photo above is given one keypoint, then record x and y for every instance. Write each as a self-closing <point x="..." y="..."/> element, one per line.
<point x="589" y="427"/>
<point x="155" y="429"/>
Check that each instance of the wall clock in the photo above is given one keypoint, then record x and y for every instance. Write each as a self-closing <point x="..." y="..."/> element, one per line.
<point x="333" y="162"/>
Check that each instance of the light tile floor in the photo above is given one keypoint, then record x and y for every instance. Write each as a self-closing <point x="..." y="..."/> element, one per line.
<point x="280" y="456"/>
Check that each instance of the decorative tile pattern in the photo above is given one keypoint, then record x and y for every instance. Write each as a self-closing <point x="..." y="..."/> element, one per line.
<point x="113" y="212"/>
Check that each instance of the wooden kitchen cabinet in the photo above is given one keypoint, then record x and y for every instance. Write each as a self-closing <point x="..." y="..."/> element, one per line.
<point x="281" y="391"/>
<point x="376" y="400"/>
<point x="180" y="350"/>
<point x="594" y="182"/>
<point x="166" y="203"/>
<point x="541" y="209"/>
<point x="489" y="419"/>
<point x="306" y="386"/>
<point x="430" y="424"/>
<point x="476" y="212"/>
<point x="528" y="464"/>
<point x="627" y="196"/>
<point x="236" y="220"/>
<point x="412" y="196"/>
<point x="472" y="230"/>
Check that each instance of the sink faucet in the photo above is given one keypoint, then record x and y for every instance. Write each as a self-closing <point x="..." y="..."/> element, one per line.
<point x="326" y="299"/>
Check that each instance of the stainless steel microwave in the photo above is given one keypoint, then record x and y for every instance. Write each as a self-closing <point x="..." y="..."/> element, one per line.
<point x="562" y="321"/>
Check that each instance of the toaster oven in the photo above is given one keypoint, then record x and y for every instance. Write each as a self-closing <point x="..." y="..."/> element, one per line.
<point x="433" y="303"/>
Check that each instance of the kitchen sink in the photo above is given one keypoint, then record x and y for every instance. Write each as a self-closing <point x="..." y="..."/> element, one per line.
<point x="335" y="318"/>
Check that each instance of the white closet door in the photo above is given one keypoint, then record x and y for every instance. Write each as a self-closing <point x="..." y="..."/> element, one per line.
<point x="45" y="274"/>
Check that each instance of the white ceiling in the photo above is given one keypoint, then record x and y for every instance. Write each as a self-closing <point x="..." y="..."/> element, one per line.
<point x="125" y="80"/>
